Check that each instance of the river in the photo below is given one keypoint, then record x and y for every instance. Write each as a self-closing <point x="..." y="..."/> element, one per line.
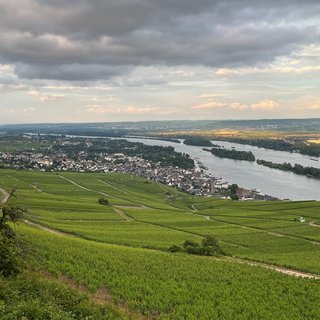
<point x="277" y="183"/>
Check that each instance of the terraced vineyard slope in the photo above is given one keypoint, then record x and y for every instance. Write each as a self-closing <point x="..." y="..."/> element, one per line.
<point x="119" y="249"/>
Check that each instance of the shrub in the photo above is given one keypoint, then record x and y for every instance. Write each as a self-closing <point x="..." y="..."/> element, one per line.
<point x="175" y="248"/>
<point x="103" y="201"/>
<point x="208" y="247"/>
<point x="189" y="243"/>
<point x="9" y="257"/>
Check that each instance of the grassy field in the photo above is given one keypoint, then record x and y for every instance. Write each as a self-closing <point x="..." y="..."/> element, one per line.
<point x="122" y="247"/>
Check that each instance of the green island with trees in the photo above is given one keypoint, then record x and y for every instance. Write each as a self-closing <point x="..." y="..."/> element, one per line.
<point x="297" y="168"/>
<point x="310" y="149"/>
<point x="198" y="141"/>
<point x="232" y="154"/>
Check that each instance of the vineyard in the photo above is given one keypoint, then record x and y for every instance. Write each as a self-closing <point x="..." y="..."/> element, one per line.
<point x="122" y="247"/>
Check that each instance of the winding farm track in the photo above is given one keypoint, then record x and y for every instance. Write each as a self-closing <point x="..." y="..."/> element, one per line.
<point x="121" y="213"/>
<point x="286" y="271"/>
<point x="47" y="229"/>
<point x="34" y="186"/>
<point x="5" y="195"/>
<point x="84" y="188"/>
<point x="194" y="208"/>
<point x="112" y="186"/>
<point x="313" y="224"/>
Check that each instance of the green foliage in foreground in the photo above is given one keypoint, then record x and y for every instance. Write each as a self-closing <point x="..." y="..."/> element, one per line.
<point x="30" y="297"/>
<point x="176" y="286"/>
<point x="9" y="244"/>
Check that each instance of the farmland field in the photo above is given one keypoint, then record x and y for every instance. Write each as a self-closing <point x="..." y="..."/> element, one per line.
<point x="122" y="247"/>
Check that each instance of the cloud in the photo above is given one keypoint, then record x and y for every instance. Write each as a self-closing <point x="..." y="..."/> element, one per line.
<point x="308" y="103"/>
<point x="313" y="106"/>
<point x="45" y="97"/>
<point x="29" y="109"/>
<point x="209" y="105"/>
<point x="210" y="95"/>
<point x="264" y="105"/>
<point x="103" y="109"/>
<point x="91" y="40"/>
<point x="13" y="87"/>
<point x="261" y="105"/>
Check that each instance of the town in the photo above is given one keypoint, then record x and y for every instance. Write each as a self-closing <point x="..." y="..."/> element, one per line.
<point x="194" y="180"/>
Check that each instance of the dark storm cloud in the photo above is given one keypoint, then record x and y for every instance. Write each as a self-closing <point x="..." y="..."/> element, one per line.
<point x="69" y="72"/>
<point x="72" y="40"/>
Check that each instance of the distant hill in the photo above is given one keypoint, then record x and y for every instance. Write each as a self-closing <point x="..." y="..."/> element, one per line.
<point x="129" y="128"/>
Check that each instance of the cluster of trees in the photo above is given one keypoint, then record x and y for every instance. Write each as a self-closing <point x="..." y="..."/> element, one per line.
<point x="103" y="201"/>
<point x="10" y="248"/>
<point x="297" y="168"/>
<point x="311" y="149"/>
<point x="233" y="191"/>
<point x="275" y="144"/>
<point x="232" y="154"/>
<point x="208" y="247"/>
<point x="198" y="141"/>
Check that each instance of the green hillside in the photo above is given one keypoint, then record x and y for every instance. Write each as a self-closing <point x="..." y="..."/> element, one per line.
<point x="119" y="252"/>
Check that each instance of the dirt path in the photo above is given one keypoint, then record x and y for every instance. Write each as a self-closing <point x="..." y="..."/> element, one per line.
<point x="5" y="195"/>
<point x="112" y="186"/>
<point x="313" y="224"/>
<point x="84" y="188"/>
<point x="47" y="229"/>
<point x="102" y="297"/>
<point x="34" y="186"/>
<point x="121" y="213"/>
<point x="286" y="271"/>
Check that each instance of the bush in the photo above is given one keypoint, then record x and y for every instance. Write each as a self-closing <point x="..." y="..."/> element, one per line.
<point x="103" y="201"/>
<point x="175" y="249"/>
<point x="189" y="243"/>
<point x="234" y="197"/>
<point x="9" y="246"/>
<point x="9" y="257"/>
<point x="208" y="247"/>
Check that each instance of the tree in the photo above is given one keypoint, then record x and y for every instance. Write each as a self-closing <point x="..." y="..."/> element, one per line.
<point x="211" y="246"/>
<point x="9" y="245"/>
<point x="103" y="201"/>
<point x="234" y="197"/>
<point x="233" y="188"/>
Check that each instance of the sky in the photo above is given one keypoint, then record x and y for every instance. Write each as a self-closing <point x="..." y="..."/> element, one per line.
<point x="132" y="60"/>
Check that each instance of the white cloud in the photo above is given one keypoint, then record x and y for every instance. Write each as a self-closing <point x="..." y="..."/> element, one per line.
<point x="105" y="109"/>
<point x="29" y="109"/>
<point x="210" y="95"/>
<point x="261" y="105"/>
<point x="265" y="105"/>
<point x="45" y="97"/>
<point x="210" y="105"/>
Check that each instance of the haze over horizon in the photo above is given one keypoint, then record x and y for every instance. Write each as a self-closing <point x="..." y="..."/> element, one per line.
<point x="108" y="61"/>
